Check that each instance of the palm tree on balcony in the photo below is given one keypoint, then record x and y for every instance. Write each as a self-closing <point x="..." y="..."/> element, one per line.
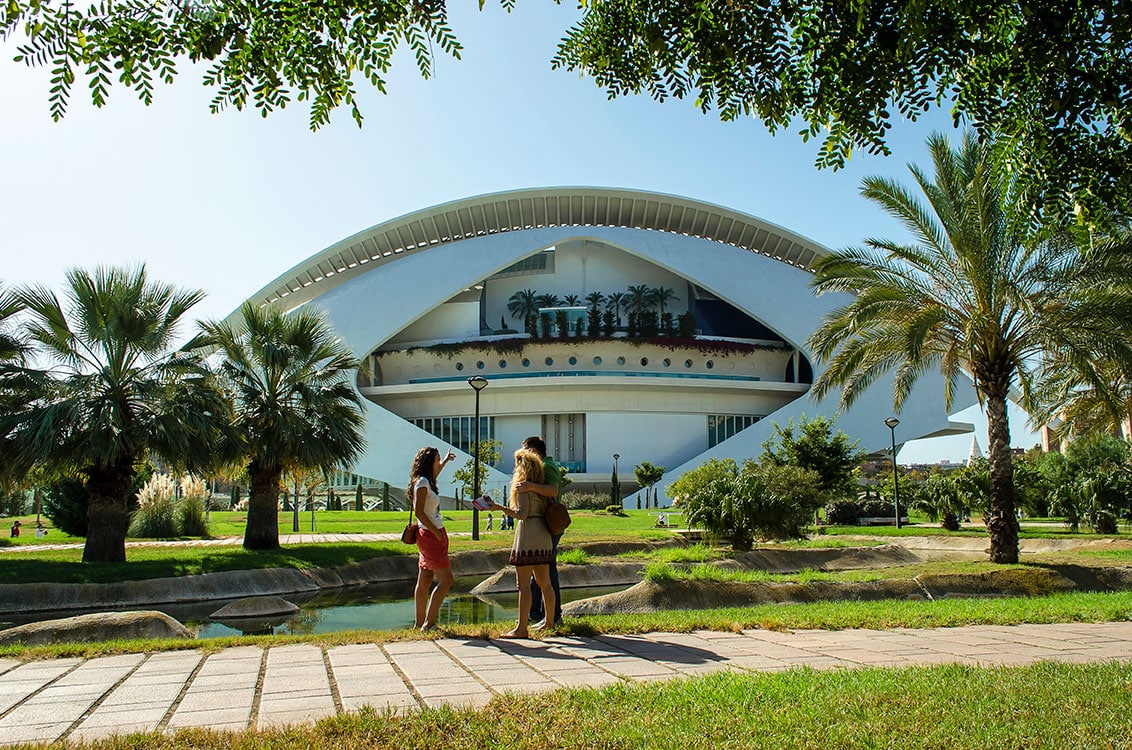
<point x="594" y="299"/>
<point x="523" y="305"/>
<point x="639" y="298"/>
<point x="548" y="300"/>
<point x="572" y="300"/>
<point x="615" y="302"/>
<point x="661" y="296"/>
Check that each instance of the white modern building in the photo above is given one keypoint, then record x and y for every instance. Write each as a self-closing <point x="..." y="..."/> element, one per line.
<point x="435" y="297"/>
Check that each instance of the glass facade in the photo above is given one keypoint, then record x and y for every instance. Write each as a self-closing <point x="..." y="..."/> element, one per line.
<point x="458" y="432"/>
<point x="722" y="426"/>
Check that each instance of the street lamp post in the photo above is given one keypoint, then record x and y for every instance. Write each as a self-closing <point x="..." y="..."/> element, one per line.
<point x="478" y="384"/>
<point x="891" y="423"/>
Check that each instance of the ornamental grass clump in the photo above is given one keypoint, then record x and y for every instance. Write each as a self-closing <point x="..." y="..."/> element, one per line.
<point x="161" y="514"/>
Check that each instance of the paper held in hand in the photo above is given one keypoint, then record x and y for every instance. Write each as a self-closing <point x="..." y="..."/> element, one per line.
<point x="482" y="503"/>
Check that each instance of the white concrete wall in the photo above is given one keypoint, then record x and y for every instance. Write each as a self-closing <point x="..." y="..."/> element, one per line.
<point x="661" y="439"/>
<point x="450" y="320"/>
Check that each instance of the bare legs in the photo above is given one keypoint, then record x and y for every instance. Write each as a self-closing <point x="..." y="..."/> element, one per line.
<point x="523" y="575"/>
<point x="428" y="605"/>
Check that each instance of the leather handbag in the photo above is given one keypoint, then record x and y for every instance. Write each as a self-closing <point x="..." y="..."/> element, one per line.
<point x="409" y="535"/>
<point x="557" y="517"/>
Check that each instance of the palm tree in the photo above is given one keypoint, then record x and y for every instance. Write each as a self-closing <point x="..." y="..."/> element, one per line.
<point x="661" y="296"/>
<point x="594" y="299"/>
<point x="112" y="393"/>
<point x="572" y="300"/>
<point x="289" y="377"/>
<point x="974" y="292"/>
<point x="13" y="353"/>
<point x="639" y="298"/>
<point x="615" y="302"/>
<point x="548" y="300"/>
<point x="522" y="305"/>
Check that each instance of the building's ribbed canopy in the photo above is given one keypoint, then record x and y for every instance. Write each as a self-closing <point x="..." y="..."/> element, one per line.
<point x="533" y="209"/>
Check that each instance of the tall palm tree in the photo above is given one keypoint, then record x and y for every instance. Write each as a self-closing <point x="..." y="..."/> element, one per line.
<point x="661" y="296"/>
<point x="522" y="304"/>
<point x="639" y="298"/>
<point x="594" y="299"/>
<point x="13" y="348"/>
<point x="572" y="300"/>
<point x="615" y="302"/>
<point x="13" y="353"/>
<point x="289" y="377"/>
<point x="973" y="292"/>
<point x="111" y="392"/>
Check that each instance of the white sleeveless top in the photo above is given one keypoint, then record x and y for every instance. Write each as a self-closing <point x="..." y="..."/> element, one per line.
<point x="432" y="502"/>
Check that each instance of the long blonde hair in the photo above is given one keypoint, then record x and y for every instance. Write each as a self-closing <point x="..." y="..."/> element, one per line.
<point x="528" y="468"/>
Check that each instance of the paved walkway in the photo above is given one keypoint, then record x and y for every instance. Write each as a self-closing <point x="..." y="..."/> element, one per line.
<point x="254" y="687"/>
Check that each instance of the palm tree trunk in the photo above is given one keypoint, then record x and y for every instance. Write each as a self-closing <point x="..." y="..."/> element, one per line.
<point x="109" y="488"/>
<point x="262" y="530"/>
<point x="1002" y="522"/>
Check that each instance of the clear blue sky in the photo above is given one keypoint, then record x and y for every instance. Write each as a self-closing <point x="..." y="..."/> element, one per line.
<point x="227" y="202"/>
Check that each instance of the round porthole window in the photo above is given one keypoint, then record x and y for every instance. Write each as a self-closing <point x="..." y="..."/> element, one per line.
<point x="710" y="364"/>
<point x="502" y="364"/>
<point x="549" y="361"/>
<point x="687" y="363"/>
<point x="479" y="365"/>
<point x="597" y="360"/>
<point x="644" y="361"/>
<point x="459" y="366"/>
<point x="573" y="360"/>
<point x="526" y="362"/>
<point x="620" y="360"/>
<point x="667" y="362"/>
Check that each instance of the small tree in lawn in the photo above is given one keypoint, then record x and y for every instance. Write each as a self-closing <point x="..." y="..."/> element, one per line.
<point x="647" y="476"/>
<point x="491" y="452"/>
<point x="814" y="444"/>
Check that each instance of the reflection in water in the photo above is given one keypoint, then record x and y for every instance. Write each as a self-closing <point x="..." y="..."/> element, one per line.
<point x="388" y="607"/>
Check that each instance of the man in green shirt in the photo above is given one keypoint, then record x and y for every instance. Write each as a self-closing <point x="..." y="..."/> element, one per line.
<point x="552" y="475"/>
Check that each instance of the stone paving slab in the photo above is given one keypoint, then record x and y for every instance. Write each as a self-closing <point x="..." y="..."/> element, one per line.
<point x="247" y="686"/>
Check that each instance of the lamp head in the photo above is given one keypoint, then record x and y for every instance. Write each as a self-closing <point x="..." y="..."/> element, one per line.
<point x="616" y="456"/>
<point x="891" y="423"/>
<point x="477" y="382"/>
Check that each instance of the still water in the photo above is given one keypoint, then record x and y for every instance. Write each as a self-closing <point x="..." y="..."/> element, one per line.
<point x="381" y="607"/>
<point x="384" y="606"/>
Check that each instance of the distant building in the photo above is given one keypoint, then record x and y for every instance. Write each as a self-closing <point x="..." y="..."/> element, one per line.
<point x="432" y="298"/>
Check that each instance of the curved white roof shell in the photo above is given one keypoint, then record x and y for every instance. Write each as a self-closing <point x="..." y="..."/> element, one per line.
<point x="518" y="210"/>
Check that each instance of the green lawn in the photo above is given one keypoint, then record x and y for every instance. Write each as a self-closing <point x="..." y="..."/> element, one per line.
<point x="1044" y="706"/>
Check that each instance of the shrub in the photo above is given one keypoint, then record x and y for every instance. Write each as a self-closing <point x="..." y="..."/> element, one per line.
<point x="767" y="500"/>
<point x="13" y="503"/>
<point x="584" y="500"/>
<point x="842" y="513"/>
<point x="154" y="520"/>
<point x="615" y="510"/>
<point x="65" y="503"/>
<point x="190" y="517"/>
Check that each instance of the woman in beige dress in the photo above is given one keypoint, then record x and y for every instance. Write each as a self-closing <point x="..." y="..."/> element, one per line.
<point x="532" y="549"/>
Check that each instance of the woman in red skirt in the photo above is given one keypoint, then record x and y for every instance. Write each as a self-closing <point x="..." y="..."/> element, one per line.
<point x="432" y="539"/>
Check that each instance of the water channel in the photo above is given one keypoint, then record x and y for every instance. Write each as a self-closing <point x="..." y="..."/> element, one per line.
<point x="383" y="606"/>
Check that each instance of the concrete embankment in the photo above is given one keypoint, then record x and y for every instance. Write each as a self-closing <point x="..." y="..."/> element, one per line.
<point x="55" y="597"/>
